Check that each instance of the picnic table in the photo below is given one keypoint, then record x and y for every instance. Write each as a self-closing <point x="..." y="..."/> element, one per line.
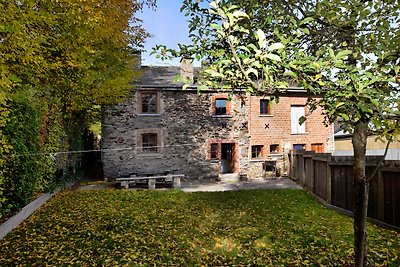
<point x="174" y="179"/>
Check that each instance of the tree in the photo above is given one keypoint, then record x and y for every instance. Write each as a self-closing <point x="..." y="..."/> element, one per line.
<point x="61" y="60"/>
<point x="345" y="50"/>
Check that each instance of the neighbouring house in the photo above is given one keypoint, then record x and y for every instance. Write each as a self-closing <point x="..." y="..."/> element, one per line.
<point x="162" y="128"/>
<point x="375" y="147"/>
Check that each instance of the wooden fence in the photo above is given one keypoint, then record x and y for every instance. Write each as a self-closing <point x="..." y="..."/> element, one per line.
<point x="331" y="178"/>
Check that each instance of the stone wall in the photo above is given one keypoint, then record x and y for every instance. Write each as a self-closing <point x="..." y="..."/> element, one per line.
<point x="186" y="127"/>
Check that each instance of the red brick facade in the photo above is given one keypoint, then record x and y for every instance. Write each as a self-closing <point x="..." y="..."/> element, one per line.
<point x="274" y="132"/>
<point x="275" y="129"/>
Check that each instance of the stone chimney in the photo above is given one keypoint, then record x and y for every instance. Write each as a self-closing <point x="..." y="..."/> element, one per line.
<point x="138" y="59"/>
<point x="186" y="68"/>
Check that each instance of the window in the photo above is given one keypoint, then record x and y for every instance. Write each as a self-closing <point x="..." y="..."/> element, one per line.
<point x="149" y="143"/>
<point x="318" y="148"/>
<point x="296" y="113"/>
<point x="265" y="107"/>
<point x="256" y="151"/>
<point x="299" y="146"/>
<point x="214" y="151"/>
<point x="149" y="103"/>
<point x="274" y="149"/>
<point x="220" y="106"/>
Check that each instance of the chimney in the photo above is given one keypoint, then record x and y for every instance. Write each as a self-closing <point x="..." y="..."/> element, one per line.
<point x="138" y="59"/>
<point x="186" y="68"/>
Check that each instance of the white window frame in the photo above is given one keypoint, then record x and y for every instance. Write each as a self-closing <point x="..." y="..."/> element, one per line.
<point x="296" y="112"/>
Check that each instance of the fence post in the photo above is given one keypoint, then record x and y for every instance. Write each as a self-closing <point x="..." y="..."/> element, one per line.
<point x="329" y="180"/>
<point x="312" y="172"/>
<point x="290" y="168"/>
<point x="303" y="161"/>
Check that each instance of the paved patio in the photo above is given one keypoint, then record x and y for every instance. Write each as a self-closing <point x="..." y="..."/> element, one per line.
<point x="211" y="186"/>
<point x="197" y="186"/>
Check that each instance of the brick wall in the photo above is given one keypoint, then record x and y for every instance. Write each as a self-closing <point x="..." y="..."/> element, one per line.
<point x="275" y="129"/>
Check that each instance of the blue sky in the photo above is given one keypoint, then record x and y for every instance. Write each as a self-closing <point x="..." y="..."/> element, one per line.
<point x="168" y="27"/>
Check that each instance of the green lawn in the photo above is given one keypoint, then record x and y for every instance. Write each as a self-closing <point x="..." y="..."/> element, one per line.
<point x="135" y="228"/>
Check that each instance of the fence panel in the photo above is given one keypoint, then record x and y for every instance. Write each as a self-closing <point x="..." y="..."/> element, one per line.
<point x="391" y="183"/>
<point x="331" y="178"/>
<point x="320" y="178"/>
<point x="300" y="168"/>
<point x="308" y="171"/>
<point x="342" y="189"/>
<point x="373" y="197"/>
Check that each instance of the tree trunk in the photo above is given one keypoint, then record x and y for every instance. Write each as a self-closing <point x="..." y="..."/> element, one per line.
<point x="360" y="193"/>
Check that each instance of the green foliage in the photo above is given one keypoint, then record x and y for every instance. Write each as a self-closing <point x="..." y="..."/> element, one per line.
<point x="59" y="61"/>
<point x="168" y="228"/>
<point x="21" y="170"/>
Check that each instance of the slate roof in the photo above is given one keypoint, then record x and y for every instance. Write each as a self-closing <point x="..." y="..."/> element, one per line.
<point x="161" y="76"/>
<point x="167" y="77"/>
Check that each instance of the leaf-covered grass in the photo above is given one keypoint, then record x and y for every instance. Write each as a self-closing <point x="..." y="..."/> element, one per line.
<point x="136" y="228"/>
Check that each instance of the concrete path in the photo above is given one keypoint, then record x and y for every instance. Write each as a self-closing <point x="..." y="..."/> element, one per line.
<point x="211" y="186"/>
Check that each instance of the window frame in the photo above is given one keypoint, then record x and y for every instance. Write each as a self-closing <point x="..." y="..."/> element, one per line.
<point x="216" y="111"/>
<point x="296" y="112"/>
<point x="257" y="151"/>
<point x="139" y="142"/>
<point x="151" y="149"/>
<point x="319" y="147"/>
<point x="276" y="151"/>
<point x="142" y="103"/>
<point x="262" y="107"/>
<point x="302" y="145"/>
<point x="214" y="147"/>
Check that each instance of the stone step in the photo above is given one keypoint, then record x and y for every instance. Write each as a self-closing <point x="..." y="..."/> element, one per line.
<point x="229" y="177"/>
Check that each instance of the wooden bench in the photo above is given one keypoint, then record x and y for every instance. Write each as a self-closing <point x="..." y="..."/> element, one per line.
<point x="151" y="180"/>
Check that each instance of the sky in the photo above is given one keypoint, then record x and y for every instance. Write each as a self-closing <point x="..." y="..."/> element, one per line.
<point x="168" y="27"/>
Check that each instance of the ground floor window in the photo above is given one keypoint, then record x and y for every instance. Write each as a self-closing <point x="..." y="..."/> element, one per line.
<point x="256" y="151"/>
<point x="149" y="143"/>
<point x="274" y="149"/>
<point x="214" y="151"/>
<point x="318" y="147"/>
<point x="299" y="146"/>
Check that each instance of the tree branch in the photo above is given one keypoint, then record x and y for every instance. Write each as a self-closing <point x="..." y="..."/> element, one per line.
<point x="236" y="57"/>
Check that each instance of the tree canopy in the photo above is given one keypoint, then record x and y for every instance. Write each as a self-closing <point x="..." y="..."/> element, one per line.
<point x="60" y="61"/>
<point x="347" y="52"/>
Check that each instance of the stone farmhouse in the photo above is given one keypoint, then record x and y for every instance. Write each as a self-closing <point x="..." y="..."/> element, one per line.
<point x="164" y="129"/>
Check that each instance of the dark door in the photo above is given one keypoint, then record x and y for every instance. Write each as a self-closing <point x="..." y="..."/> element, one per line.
<point x="227" y="157"/>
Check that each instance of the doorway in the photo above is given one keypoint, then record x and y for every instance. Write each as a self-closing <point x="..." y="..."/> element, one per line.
<point x="227" y="156"/>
